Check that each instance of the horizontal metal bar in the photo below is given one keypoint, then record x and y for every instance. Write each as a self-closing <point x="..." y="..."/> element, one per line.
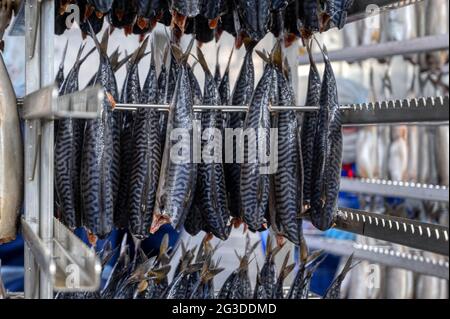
<point x="382" y="50"/>
<point x="362" y="9"/>
<point x="201" y="108"/>
<point x="411" y="233"/>
<point x="421" y="110"/>
<point x="396" y="189"/>
<point x="383" y="255"/>
<point x="46" y="104"/>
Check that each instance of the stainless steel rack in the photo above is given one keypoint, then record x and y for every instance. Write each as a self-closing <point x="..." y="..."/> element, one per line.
<point x="383" y="50"/>
<point x="396" y="189"/>
<point x="50" y="247"/>
<point x="407" y="232"/>
<point x="384" y="255"/>
<point x="423" y="110"/>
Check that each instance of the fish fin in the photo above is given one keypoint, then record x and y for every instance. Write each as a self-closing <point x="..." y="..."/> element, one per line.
<point x="164" y="246"/>
<point x="250" y="44"/>
<point x="194" y="268"/>
<point x="314" y="256"/>
<point x="181" y="57"/>
<point x="140" y="52"/>
<point x="100" y="46"/>
<point x="276" y="56"/>
<point x="63" y="59"/>
<point x="160" y="273"/>
<point x="227" y="69"/>
<point x="202" y="61"/>
<point x="86" y="56"/>
<point x="303" y="251"/>
<point x="286" y="269"/>
<point x="348" y="266"/>
<point x="124" y="245"/>
<point x="263" y="56"/>
<point x="122" y="62"/>
<point x="114" y="57"/>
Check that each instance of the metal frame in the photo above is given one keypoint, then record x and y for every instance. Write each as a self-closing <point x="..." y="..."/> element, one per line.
<point x="395" y="189"/>
<point x="410" y="233"/>
<point x="382" y="50"/>
<point x="423" y="110"/>
<point x="43" y="233"/>
<point x="384" y="255"/>
<point x="52" y="252"/>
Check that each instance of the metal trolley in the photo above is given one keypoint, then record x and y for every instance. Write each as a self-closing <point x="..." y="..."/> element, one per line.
<point x="50" y="248"/>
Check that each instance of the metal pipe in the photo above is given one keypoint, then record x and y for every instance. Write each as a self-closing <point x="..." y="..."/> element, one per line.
<point x="47" y="23"/>
<point x="383" y="50"/>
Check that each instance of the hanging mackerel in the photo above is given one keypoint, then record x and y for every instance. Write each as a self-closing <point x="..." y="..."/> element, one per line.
<point x="288" y="179"/>
<point x="146" y="158"/>
<point x="131" y="93"/>
<point x="327" y="158"/>
<point x="178" y="172"/>
<point x="309" y="127"/>
<point x="100" y="168"/>
<point x="68" y="152"/>
<point x="211" y="194"/>
<point x="242" y="95"/>
<point x="254" y="182"/>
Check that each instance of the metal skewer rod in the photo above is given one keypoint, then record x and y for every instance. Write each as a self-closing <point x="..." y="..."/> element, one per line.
<point x="224" y="108"/>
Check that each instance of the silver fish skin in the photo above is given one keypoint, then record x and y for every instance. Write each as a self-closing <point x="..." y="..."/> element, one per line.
<point x="288" y="180"/>
<point x="68" y="152"/>
<point x="177" y="179"/>
<point x="309" y="130"/>
<point x="131" y="93"/>
<point x="211" y="195"/>
<point x="146" y="159"/>
<point x="11" y="158"/>
<point x="241" y="95"/>
<point x="100" y="164"/>
<point x="327" y="159"/>
<point x="255" y="186"/>
<point x="187" y="8"/>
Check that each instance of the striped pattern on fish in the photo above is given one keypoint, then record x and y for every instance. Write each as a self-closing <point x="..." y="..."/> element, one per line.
<point x="255" y="186"/>
<point x="242" y="95"/>
<point x="146" y="160"/>
<point x="68" y="152"/>
<point x="211" y="197"/>
<point x="327" y="159"/>
<point x="288" y="180"/>
<point x="309" y="130"/>
<point x="100" y="170"/>
<point x="177" y="179"/>
<point x="131" y="93"/>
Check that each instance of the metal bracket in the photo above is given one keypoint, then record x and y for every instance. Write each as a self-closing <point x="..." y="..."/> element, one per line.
<point x="419" y="110"/>
<point x="46" y="104"/>
<point x="402" y="231"/>
<point x="73" y="267"/>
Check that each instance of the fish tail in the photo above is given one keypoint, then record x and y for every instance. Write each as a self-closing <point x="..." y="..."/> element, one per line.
<point x="140" y="52"/>
<point x="227" y="69"/>
<point x="286" y="268"/>
<point x="181" y="57"/>
<point x="63" y="59"/>
<point x="202" y="61"/>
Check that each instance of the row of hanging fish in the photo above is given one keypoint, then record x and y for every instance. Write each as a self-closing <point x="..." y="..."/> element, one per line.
<point x="120" y="171"/>
<point x="135" y="276"/>
<point x="11" y="158"/>
<point x="208" y="19"/>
